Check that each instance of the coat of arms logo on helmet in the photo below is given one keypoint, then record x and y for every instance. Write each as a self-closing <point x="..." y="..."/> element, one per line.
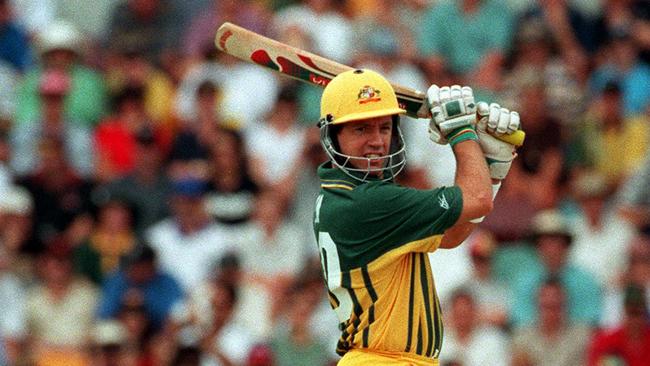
<point x="368" y="94"/>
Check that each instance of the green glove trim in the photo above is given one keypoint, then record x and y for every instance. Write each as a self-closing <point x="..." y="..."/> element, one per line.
<point x="461" y="134"/>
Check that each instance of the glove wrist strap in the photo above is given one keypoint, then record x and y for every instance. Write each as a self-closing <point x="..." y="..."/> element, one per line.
<point x="461" y="134"/>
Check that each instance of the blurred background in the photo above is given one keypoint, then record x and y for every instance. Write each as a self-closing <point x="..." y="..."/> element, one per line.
<point x="156" y="195"/>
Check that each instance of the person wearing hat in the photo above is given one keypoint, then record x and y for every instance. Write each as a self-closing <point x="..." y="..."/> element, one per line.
<point x="59" y="47"/>
<point x="552" y="239"/>
<point x="76" y="137"/>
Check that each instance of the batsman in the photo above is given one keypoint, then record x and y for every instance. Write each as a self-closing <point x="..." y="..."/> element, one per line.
<point x="374" y="235"/>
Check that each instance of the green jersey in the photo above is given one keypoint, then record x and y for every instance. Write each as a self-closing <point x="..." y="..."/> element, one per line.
<point x="373" y="240"/>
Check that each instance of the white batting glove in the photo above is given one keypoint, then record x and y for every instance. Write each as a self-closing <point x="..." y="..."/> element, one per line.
<point x="496" y="121"/>
<point x="453" y="114"/>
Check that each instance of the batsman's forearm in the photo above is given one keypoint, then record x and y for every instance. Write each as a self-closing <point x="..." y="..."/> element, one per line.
<point x="473" y="178"/>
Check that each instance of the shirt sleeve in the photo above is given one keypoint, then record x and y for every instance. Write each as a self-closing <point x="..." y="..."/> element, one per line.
<point x="389" y="216"/>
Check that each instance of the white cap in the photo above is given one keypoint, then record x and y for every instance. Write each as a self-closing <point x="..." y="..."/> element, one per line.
<point x="60" y="35"/>
<point x="16" y="200"/>
<point x="109" y="332"/>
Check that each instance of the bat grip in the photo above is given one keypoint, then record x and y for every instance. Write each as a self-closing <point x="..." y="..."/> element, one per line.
<point x="516" y="138"/>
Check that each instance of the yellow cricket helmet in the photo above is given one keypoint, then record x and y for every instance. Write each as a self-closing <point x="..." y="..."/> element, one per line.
<point x="358" y="95"/>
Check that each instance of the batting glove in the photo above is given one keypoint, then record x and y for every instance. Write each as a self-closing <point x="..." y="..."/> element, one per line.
<point x="453" y="114"/>
<point x="496" y="121"/>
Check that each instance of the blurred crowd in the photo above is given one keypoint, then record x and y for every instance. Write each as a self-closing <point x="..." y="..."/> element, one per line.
<point x="156" y="195"/>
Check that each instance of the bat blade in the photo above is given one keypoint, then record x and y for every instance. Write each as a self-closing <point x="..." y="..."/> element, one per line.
<point x="308" y="67"/>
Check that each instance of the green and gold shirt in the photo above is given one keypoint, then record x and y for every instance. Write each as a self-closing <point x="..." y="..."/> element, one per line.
<point x="373" y="240"/>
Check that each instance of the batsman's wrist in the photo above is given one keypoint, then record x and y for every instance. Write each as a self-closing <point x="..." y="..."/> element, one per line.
<point x="461" y="134"/>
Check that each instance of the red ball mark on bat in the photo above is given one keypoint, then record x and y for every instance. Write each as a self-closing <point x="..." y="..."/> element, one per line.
<point x="309" y="62"/>
<point x="293" y="69"/>
<point x="224" y="37"/>
<point x="261" y="57"/>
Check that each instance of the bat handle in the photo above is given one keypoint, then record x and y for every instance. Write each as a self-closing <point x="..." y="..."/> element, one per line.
<point x="516" y="138"/>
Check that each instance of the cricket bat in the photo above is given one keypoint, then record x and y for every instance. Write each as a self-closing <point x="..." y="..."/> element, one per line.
<point x="308" y="67"/>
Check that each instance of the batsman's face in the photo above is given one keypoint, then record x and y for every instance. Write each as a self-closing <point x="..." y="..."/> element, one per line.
<point x="368" y="139"/>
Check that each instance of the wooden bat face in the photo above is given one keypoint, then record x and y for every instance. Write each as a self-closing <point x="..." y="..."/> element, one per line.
<point x="308" y="67"/>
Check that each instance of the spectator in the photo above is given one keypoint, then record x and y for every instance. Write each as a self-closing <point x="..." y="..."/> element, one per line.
<point x="629" y="343"/>
<point x="491" y="296"/>
<point x="613" y="144"/>
<point x="467" y="341"/>
<point x="553" y="339"/>
<point x="191" y="147"/>
<point x="199" y="34"/>
<point x="271" y="251"/>
<point x="91" y="18"/>
<point x="189" y="242"/>
<point x="112" y="237"/>
<point x="275" y="147"/>
<point x="237" y="81"/>
<point x="536" y="57"/>
<point x="293" y="342"/>
<point x="59" y="310"/>
<point x="14" y="40"/>
<point x="16" y="232"/>
<point x="61" y="198"/>
<point x="623" y="67"/>
<point x="116" y="136"/>
<point x="325" y="24"/>
<point x="552" y="239"/>
<point x="222" y="340"/>
<point x="128" y="68"/>
<point x="59" y="47"/>
<point x="231" y="195"/>
<point x="601" y="238"/>
<point x="636" y="273"/>
<point x="141" y="332"/>
<point x="575" y="34"/>
<point x="146" y="188"/>
<point x="474" y="48"/>
<point x="132" y="23"/>
<point x="54" y="86"/>
<point x="140" y="275"/>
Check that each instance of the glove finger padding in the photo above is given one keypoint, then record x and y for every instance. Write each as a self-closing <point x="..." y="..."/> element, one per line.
<point x="453" y="112"/>
<point x="495" y="121"/>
